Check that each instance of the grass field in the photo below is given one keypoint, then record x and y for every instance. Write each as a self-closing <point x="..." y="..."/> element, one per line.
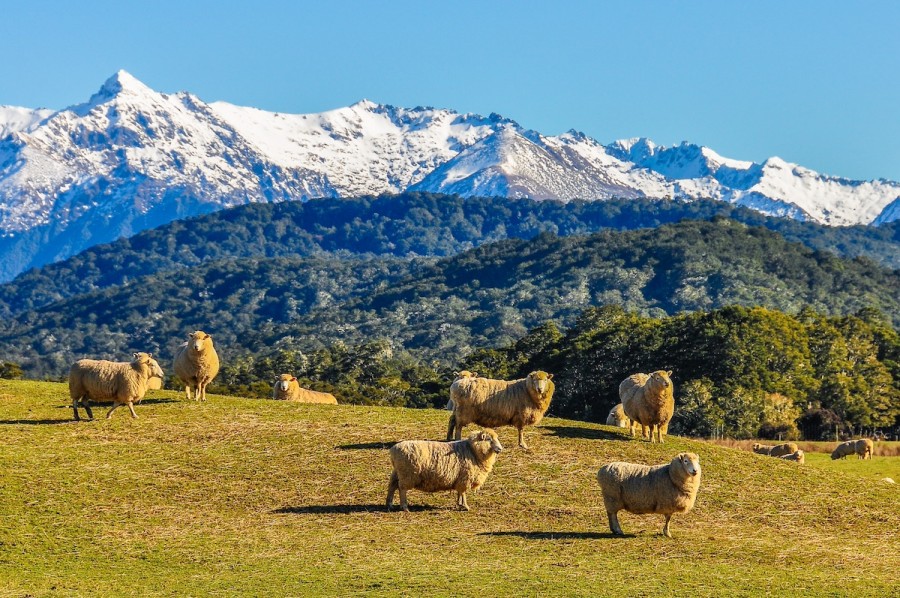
<point x="889" y="448"/>
<point x="258" y="498"/>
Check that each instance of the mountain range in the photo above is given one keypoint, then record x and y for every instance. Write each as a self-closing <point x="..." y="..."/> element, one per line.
<point x="130" y="159"/>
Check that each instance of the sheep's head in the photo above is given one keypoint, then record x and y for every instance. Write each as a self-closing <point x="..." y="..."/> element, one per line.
<point x="688" y="462"/>
<point x="541" y="382"/>
<point x="198" y="340"/>
<point x="465" y="374"/>
<point x="756" y="446"/>
<point x="485" y="441"/>
<point x="155" y="370"/>
<point x="661" y="378"/>
<point x="283" y="382"/>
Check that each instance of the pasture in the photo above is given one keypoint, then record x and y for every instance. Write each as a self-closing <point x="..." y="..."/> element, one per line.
<point x="253" y="497"/>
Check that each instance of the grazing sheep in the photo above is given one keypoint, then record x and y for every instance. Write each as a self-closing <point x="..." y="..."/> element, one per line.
<point x="865" y="448"/>
<point x="648" y="400"/>
<point x="844" y="449"/>
<point x="288" y="389"/>
<point x="463" y="375"/>
<point x="123" y="383"/>
<point x="775" y="451"/>
<point x="617" y="417"/>
<point x="797" y="456"/>
<point x="197" y="363"/>
<point x="495" y="403"/>
<point x="430" y="466"/>
<point x="641" y="489"/>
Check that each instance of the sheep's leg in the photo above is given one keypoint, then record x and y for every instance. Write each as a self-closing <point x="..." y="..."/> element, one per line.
<point x="393" y="484"/>
<point x="644" y="432"/>
<point x="131" y="408"/>
<point x="461" y="501"/>
<point x="403" y="504"/>
<point x="86" y="403"/>
<point x="666" y="532"/>
<point x="614" y="523"/>
<point x="201" y="388"/>
<point x="457" y="435"/>
<point x="187" y="391"/>
<point x="75" y="407"/>
<point x="451" y="427"/>
<point x="115" y="406"/>
<point x="522" y="439"/>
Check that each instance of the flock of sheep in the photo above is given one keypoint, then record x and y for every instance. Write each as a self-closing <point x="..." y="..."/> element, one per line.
<point x="461" y="465"/>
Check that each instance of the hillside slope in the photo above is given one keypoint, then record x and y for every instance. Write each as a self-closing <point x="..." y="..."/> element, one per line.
<point x="258" y="497"/>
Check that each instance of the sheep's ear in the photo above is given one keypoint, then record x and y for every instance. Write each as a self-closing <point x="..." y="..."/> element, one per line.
<point x="205" y="336"/>
<point x="549" y="376"/>
<point x="456" y="374"/>
<point x="293" y="378"/>
<point x="474" y="374"/>
<point x="149" y="355"/>
<point x="483" y="436"/>
<point x="669" y="373"/>
<point x="134" y="355"/>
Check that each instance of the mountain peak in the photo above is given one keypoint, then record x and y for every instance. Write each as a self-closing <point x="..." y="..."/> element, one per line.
<point x="365" y="104"/>
<point x="121" y="83"/>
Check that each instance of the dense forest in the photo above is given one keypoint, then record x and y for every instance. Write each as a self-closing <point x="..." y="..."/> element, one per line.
<point x="406" y="225"/>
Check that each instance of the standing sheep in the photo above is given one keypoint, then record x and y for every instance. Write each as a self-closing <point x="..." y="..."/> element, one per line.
<point x="649" y="401"/>
<point x="495" y="403"/>
<point x="865" y="448"/>
<point x="775" y="451"/>
<point x="458" y="376"/>
<point x="844" y="449"/>
<point x="430" y="466"/>
<point x="197" y="363"/>
<point x="641" y="489"/>
<point x="288" y="389"/>
<point x="617" y="417"/>
<point x="797" y="456"/>
<point x="123" y="383"/>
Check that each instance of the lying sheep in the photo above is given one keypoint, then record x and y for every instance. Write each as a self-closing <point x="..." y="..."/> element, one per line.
<point x="648" y="400"/>
<point x="844" y="449"/>
<point x="775" y="451"/>
<point x="617" y="417"/>
<point x="495" y="403"/>
<point x="865" y="448"/>
<point x="197" y="363"/>
<point x="429" y="466"/>
<point x="463" y="375"/>
<point x="641" y="489"/>
<point x="122" y="383"/>
<point x="288" y="389"/>
<point x="797" y="456"/>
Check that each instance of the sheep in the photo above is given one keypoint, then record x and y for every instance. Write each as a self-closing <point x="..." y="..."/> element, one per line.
<point x="844" y="449"/>
<point x="463" y="375"/>
<point x="662" y="489"/>
<point x="430" y="466"/>
<point x="775" y="451"/>
<point x="197" y="363"/>
<point x="617" y="417"/>
<point x="888" y="480"/>
<point x="797" y="456"/>
<point x="494" y="403"/>
<point x="648" y="400"/>
<point x="865" y="448"/>
<point x="123" y="383"/>
<point x="288" y="389"/>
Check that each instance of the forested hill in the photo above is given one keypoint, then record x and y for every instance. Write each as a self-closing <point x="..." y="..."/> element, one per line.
<point x="444" y="308"/>
<point x="410" y="224"/>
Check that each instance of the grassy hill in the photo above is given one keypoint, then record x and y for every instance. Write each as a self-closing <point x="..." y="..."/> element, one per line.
<point x="253" y="497"/>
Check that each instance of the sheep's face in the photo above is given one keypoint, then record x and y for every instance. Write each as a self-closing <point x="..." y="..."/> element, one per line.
<point x="198" y="339"/>
<point x="284" y="382"/>
<point x="490" y="438"/>
<point x="465" y="374"/>
<point x="690" y="463"/>
<point x="156" y="371"/>
<point x="662" y="378"/>
<point x="540" y="381"/>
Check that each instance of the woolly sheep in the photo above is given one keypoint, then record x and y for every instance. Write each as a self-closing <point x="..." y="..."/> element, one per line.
<point x="495" y="403"/>
<point x="648" y="400"/>
<point x="775" y="451"/>
<point x="797" y="456"/>
<point x="288" y="389"/>
<point x="865" y="448"/>
<point x="430" y="466"/>
<point x="465" y="374"/>
<point x="617" y="417"/>
<point x="888" y="480"/>
<point x="123" y="383"/>
<point x="197" y="363"/>
<point x="642" y="489"/>
<point x="844" y="449"/>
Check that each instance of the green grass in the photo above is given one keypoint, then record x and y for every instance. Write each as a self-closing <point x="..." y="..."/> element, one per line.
<point x="257" y="498"/>
<point x="874" y="468"/>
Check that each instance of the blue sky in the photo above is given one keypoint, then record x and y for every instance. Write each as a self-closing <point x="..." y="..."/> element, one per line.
<point x="814" y="82"/>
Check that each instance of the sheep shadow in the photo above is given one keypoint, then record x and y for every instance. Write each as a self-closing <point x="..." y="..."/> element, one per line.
<point x="559" y="535"/>
<point x="346" y="509"/>
<point x="587" y="433"/>
<point x="364" y="446"/>
<point x="36" y="422"/>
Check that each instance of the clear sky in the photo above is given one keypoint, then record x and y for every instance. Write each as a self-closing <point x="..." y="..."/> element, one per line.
<point x="814" y="82"/>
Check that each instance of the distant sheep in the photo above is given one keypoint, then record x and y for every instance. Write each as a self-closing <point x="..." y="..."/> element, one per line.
<point x="641" y="489"/>
<point x="288" y="389"/>
<point x="197" y="363"/>
<point x="888" y="481"/>
<point x="844" y="449"/>
<point x="775" y="451"/>
<point x="495" y="403"/>
<point x="797" y="456"/>
<point x="430" y="466"/>
<point x="122" y="383"/>
<point x="865" y="448"/>
<point x="617" y="417"/>
<point x="648" y="400"/>
<point x="463" y="375"/>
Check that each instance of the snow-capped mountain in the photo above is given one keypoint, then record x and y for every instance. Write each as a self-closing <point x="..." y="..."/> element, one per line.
<point x="131" y="158"/>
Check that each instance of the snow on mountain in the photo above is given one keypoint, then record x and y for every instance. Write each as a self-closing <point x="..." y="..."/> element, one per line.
<point x="131" y="158"/>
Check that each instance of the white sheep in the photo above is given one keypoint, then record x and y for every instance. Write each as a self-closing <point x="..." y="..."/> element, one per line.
<point x="122" y="383"/>
<point x="641" y="489"/>
<point x="648" y="400"/>
<point x="197" y="363"/>
<point x="798" y="456"/>
<point x="865" y="448"/>
<point x="288" y="389"/>
<point x="495" y="403"/>
<point x="775" y="451"/>
<point x="464" y="374"/>
<point x="617" y="417"/>
<point x="429" y="466"/>
<point x="844" y="449"/>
